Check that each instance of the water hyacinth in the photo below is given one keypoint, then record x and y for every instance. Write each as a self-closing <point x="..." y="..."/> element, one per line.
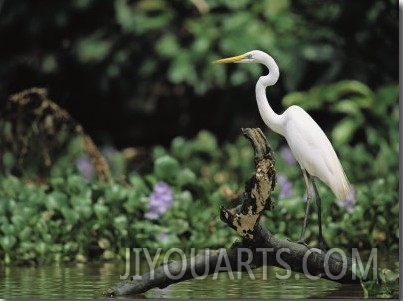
<point x="285" y="186"/>
<point x="160" y="200"/>
<point x="163" y="237"/>
<point x="349" y="201"/>
<point x="109" y="151"/>
<point x="287" y="155"/>
<point x="85" y="167"/>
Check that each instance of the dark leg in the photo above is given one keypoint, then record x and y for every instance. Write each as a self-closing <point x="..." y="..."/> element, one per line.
<point x="308" y="202"/>
<point x="318" y="204"/>
<point x="307" y="177"/>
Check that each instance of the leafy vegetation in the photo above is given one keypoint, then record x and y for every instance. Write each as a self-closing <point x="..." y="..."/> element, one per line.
<point x="72" y="216"/>
<point x="144" y="66"/>
<point x="138" y="73"/>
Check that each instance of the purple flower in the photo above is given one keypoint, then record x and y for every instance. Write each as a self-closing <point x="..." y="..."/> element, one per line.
<point x="287" y="155"/>
<point x="160" y="200"/>
<point x="85" y="167"/>
<point x="285" y="186"/>
<point x="109" y="151"/>
<point x="349" y="201"/>
<point x="163" y="237"/>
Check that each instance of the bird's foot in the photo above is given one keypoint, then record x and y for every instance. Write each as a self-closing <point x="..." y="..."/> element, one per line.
<point x="322" y="246"/>
<point x="301" y="242"/>
<point x="318" y="249"/>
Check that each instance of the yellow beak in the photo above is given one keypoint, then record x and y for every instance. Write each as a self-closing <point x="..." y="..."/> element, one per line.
<point x="233" y="59"/>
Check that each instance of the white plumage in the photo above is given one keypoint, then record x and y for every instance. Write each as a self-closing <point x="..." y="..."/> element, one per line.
<point x="308" y="143"/>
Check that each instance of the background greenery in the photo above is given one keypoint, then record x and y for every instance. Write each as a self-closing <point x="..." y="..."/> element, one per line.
<point x="139" y="73"/>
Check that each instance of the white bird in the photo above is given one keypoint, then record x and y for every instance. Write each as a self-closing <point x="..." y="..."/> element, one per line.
<point x="307" y="141"/>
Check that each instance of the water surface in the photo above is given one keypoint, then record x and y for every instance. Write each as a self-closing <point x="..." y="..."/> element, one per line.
<point x="87" y="281"/>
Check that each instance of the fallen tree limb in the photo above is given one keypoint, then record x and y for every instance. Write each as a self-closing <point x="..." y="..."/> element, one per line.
<point x="258" y="246"/>
<point x="264" y="250"/>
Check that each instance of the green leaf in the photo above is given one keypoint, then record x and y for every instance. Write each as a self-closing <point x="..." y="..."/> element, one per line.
<point x="101" y="211"/>
<point x="58" y="183"/>
<point x="71" y="216"/>
<point x="347" y="106"/>
<point x="344" y="130"/>
<point x="168" y="46"/>
<point x="18" y="222"/>
<point x="85" y="211"/>
<point x="180" y="148"/>
<point x="139" y="184"/>
<point x="8" y="242"/>
<point x="181" y="70"/>
<point x="56" y="200"/>
<point x="93" y="48"/>
<point x="8" y="160"/>
<point x="120" y="222"/>
<point x="8" y="229"/>
<point x="25" y="234"/>
<point x="389" y="275"/>
<point x="166" y="168"/>
<point x="185" y="177"/>
<point x="205" y="142"/>
<point x="294" y="98"/>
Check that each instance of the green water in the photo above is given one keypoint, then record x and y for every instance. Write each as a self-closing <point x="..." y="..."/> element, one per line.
<point x="90" y="280"/>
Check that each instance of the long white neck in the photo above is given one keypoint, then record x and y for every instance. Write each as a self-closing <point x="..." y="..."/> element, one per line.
<point x="270" y="118"/>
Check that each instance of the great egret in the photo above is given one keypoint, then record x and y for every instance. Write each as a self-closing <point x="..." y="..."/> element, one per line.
<point x="308" y="143"/>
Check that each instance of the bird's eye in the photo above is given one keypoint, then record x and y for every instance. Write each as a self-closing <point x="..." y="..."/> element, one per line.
<point x="249" y="56"/>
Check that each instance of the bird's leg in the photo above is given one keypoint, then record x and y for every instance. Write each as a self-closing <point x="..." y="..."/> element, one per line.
<point x="308" y="203"/>
<point x="318" y="204"/>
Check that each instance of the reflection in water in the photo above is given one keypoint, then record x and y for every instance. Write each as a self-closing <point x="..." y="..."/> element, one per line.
<point x="90" y="280"/>
<point x="296" y="286"/>
<point x="78" y="281"/>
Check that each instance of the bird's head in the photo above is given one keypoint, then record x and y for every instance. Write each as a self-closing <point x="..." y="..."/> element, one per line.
<point x="254" y="56"/>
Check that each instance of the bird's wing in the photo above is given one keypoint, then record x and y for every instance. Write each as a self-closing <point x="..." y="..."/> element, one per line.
<point x="313" y="150"/>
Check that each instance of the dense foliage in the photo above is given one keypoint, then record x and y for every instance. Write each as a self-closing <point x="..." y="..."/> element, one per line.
<point x="138" y="73"/>
<point x="172" y="199"/>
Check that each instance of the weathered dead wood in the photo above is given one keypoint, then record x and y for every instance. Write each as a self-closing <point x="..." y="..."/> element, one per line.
<point x="258" y="246"/>
<point x="262" y="251"/>
<point x="36" y="129"/>
<point x="256" y="197"/>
